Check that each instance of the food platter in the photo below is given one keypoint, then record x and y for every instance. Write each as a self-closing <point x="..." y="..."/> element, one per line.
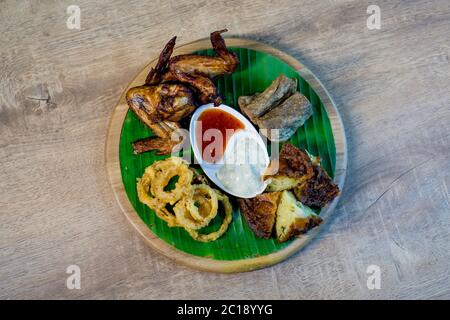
<point x="238" y="250"/>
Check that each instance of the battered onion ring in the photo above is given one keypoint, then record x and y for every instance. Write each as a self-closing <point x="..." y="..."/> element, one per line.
<point x="216" y="234"/>
<point x="164" y="171"/>
<point x="202" y="190"/>
<point x="150" y="189"/>
<point x="143" y="189"/>
<point x="167" y="216"/>
<point x="188" y="214"/>
<point x="200" y="204"/>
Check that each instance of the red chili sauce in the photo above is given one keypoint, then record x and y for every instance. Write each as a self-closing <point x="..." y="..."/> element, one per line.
<point x="218" y="119"/>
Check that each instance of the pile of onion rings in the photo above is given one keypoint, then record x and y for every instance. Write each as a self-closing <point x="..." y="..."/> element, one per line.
<point x="194" y="205"/>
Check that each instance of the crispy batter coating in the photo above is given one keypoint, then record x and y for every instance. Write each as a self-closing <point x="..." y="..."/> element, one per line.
<point x="194" y="205"/>
<point x="293" y="168"/>
<point x="260" y="212"/>
<point x="293" y="218"/>
<point x="317" y="191"/>
<point x="294" y="162"/>
<point x="164" y="171"/>
<point x="208" y="237"/>
<point x="189" y="215"/>
<point x="145" y="196"/>
<point x="309" y="181"/>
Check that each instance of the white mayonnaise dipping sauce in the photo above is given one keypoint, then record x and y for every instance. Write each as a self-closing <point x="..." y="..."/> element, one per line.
<point x="244" y="164"/>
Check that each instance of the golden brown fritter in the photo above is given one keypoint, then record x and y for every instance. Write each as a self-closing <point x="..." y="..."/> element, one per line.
<point x="293" y="218"/>
<point x="294" y="168"/>
<point x="318" y="191"/>
<point x="260" y="213"/>
<point x="294" y="162"/>
<point x="309" y="181"/>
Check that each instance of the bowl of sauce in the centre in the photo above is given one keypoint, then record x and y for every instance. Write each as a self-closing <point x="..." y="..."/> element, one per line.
<point x="217" y="123"/>
<point x="218" y="137"/>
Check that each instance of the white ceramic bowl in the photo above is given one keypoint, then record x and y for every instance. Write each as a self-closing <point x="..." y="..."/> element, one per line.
<point x="211" y="169"/>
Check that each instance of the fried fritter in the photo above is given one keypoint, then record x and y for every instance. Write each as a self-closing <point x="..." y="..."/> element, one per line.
<point x="260" y="213"/>
<point x="191" y="206"/>
<point x="207" y="237"/>
<point x="293" y="218"/>
<point x="294" y="168"/>
<point x="303" y="173"/>
<point x="294" y="162"/>
<point x="318" y="191"/>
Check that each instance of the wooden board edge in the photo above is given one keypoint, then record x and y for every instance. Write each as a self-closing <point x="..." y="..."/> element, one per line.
<point x="223" y="266"/>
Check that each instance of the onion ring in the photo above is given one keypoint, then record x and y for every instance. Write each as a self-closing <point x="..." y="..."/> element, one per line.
<point x="164" y="171"/>
<point x="143" y="190"/>
<point x="185" y="196"/>
<point x="187" y="213"/>
<point x="202" y="190"/>
<point x="224" y="226"/>
<point x="167" y="216"/>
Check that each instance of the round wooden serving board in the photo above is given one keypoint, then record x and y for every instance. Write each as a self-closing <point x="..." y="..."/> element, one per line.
<point x="205" y="263"/>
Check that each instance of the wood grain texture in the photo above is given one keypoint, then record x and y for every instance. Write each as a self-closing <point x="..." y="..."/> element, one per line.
<point x="58" y="88"/>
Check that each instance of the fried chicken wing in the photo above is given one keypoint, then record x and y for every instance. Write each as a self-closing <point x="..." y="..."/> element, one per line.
<point x="167" y="139"/>
<point x="198" y="70"/>
<point x="160" y="107"/>
<point x="168" y="93"/>
<point x="207" y="91"/>
<point x="155" y="74"/>
<point x="225" y="63"/>
<point x="154" y="104"/>
<point x="162" y="145"/>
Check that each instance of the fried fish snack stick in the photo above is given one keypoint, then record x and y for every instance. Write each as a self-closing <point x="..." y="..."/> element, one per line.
<point x="280" y="89"/>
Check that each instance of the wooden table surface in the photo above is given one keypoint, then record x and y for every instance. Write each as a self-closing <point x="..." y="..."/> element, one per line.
<point x="58" y="88"/>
